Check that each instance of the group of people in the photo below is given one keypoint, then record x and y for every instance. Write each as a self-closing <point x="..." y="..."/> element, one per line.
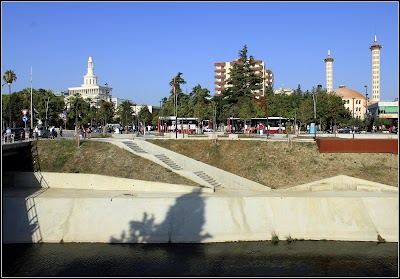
<point x="85" y="132"/>
<point x="53" y="132"/>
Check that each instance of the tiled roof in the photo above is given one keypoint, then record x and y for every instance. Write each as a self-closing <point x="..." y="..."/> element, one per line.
<point x="347" y="93"/>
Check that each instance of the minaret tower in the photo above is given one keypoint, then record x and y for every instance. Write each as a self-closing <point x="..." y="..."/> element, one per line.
<point x="328" y="72"/>
<point x="376" y="71"/>
<point x="90" y="78"/>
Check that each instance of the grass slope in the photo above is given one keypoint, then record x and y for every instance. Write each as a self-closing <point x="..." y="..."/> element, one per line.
<point x="269" y="163"/>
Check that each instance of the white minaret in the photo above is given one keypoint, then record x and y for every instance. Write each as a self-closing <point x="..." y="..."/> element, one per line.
<point x="90" y="78"/>
<point x="376" y="70"/>
<point x="329" y="72"/>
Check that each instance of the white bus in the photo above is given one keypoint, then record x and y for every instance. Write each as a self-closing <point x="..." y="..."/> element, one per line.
<point x="187" y="125"/>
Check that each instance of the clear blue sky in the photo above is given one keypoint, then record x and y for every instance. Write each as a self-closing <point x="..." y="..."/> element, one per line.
<point x="137" y="47"/>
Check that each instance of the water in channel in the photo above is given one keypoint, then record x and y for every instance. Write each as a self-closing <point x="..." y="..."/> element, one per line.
<point x="245" y="259"/>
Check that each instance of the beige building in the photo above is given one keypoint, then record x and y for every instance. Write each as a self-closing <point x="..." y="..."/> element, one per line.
<point x="284" y="91"/>
<point x="90" y="88"/>
<point x="353" y="100"/>
<point x="222" y="70"/>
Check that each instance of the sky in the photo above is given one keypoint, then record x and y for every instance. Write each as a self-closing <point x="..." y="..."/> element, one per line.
<point x="138" y="47"/>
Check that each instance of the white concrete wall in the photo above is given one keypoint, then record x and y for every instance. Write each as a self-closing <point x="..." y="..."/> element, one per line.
<point x="120" y="216"/>
<point x="50" y="207"/>
<point x="92" y="182"/>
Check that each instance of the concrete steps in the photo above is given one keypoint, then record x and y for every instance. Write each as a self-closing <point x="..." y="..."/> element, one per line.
<point x="215" y="184"/>
<point x="201" y="173"/>
<point x="134" y="147"/>
<point x="168" y="161"/>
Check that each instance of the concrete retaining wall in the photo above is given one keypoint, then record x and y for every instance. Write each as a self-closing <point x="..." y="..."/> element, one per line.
<point x="57" y="215"/>
<point x="91" y="182"/>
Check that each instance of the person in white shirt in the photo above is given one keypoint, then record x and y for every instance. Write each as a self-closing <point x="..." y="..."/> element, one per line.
<point x="8" y="134"/>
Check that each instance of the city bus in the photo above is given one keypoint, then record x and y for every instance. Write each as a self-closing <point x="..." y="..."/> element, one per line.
<point x="273" y="122"/>
<point x="206" y="126"/>
<point x="234" y="125"/>
<point x="167" y="124"/>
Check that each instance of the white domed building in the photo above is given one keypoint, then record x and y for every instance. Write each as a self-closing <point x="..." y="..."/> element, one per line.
<point x="353" y="100"/>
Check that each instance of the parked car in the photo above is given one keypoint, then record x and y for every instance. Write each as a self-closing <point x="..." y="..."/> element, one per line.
<point x="43" y="132"/>
<point x="347" y="130"/>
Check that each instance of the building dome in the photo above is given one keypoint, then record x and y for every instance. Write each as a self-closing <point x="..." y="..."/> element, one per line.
<point x="347" y="93"/>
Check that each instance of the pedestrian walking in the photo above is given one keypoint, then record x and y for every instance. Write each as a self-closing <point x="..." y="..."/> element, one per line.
<point x="89" y="132"/>
<point x="8" y="134"/>
<point x="53" y="132"/>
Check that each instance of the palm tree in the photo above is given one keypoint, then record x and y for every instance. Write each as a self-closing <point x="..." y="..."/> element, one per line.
<point x="9" y="77"/>
<point x="176" y="90"/>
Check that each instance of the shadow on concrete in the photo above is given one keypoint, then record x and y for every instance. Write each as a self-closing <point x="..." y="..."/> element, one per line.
<point x="17" y="157"/>
<point x="20" y="217"/>
<point x="183" y="223"/>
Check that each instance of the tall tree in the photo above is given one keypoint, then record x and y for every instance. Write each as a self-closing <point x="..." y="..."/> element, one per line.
<point x="145" y="115"/>
<point x="176" y="90"/>
<point x="243" y="80"/>
<point x="77" y="110"/>
<point x="125" y="112"/>
<point x="9" y="77"/>
<point x="199" y="103"/>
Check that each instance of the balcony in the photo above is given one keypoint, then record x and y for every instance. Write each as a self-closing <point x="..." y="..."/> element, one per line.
<point x="257" y="68"/>
<point x="220" y="76"/>
<point x="220" y="82"/>
<point x="222" y="64"/>
<point x="220" y="70"/>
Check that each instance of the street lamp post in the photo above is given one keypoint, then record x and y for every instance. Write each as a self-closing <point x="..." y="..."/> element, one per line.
<point x="280" y="110"/>
<point x="176" y="110"/>
<point x="353" y="117"/>
<point x="266" y="98"/>
<point x="47" y="107"/>
<point x="105" y="112"/>
<point x="9" y="90"/>
<point x="10" y="98"/>
<point x="315" y="117"/>
<point x="160" y="130"/>
<point x="31" y="102"/>
<point x="366" y="100"/>
<point x="366" y="108"/>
